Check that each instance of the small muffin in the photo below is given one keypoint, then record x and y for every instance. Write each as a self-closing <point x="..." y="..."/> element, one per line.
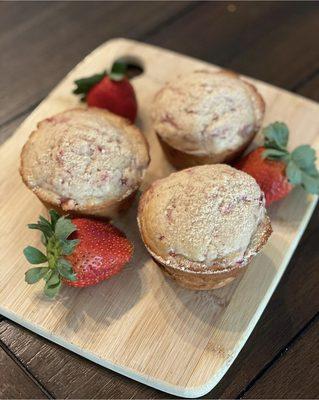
<point x="204" y="224"/>
<point x="85" y="161"/>
<point x="206" y="117"/>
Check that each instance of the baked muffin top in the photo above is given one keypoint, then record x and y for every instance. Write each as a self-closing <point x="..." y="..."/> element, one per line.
<point x="84" y="157"/>
<point x="206" y="215"/>
<point x="206" y="113"/>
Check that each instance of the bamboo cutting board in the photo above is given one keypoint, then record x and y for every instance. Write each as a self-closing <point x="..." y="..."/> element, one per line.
<point x="139" y="323"/>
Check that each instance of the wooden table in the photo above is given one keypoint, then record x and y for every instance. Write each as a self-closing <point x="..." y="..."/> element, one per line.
<point x="274" y="42"/>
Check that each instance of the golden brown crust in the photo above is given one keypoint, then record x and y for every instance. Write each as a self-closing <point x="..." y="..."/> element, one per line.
<point x="218" y="276"/>
<point x="258" y="101"/>
<point x="108" y="208"/>
<point x="181" y="160"/>
<point x="203" y="225"/>
<point x="182" y="157"/>
<point x="108" y="211"/>
<point x="199" y="281"/>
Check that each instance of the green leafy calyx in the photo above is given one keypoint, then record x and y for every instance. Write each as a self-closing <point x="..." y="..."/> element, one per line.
<point x="300" y="163"/>
<point x="55" y="234"/>
<point x="84" y="85"/>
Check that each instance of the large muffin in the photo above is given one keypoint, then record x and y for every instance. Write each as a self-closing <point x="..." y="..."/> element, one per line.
<point x="85" y="161"/>
<point x="206" y="118"/>
<point x="204" y="224"/>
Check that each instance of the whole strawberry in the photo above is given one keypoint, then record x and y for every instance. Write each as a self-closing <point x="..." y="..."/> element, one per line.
<point x="276" y="170"/>
<point x="110" y="91"/>
<point x="79" y="252"/>
<point x="102" y="252"/>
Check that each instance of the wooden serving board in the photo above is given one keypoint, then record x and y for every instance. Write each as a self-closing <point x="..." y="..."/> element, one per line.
<point x="139" y="323"/>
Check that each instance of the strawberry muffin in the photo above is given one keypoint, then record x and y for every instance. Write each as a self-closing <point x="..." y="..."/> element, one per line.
<point x="206" y="117"/>
<point x="203" y="225"/>
<point x="85" y="161"/>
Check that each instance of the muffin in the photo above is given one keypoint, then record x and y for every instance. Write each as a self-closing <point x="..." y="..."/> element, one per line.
<point x="206" y="118"/>
<point x="85" y="161"/>
<point x="203" y="225"/>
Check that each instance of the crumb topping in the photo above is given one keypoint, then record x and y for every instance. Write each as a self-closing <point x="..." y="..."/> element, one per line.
<point x="85" y="157"/>
<point x="207" y="214"/>
<point x="207" y="113"/>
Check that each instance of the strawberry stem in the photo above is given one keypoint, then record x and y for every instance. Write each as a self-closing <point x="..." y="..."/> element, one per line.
<point x="55" y="235"/>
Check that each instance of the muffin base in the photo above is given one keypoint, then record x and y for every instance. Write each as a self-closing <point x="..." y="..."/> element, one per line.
<point x="195" y="281"/>
<point x="108" y="211"/>
<point x="181" y="160"/>
<point x="218" y="276"/>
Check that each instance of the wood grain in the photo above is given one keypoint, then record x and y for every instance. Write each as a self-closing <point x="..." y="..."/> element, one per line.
<point x="40" y="42"/>
<point x="310" y="90"/>
<point x="65" y="374"/>
<point x="14" y="383"/>
<point x="268" y="41"/>
<point x="295" y="375"/>
<point x="218" y="325"/>
<point x="237" y="39"/>
<point x="9" y="128"/>
<point x="313" y="92"/>
<point x="283" y="318"/>
<point x="294" y="303"/>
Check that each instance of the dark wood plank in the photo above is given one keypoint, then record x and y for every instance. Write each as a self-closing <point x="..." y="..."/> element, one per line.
<point x="41" y="41"/>
<point x="14" y="383"/>
<point x="310" y="88"/>
<point x="65" y="374"/>
<point x="235" y="39"/>
<point x="294" y="303"/>
<point x="296" y="374"/>
<point x="274" y="42"/>
<point x="217" y="39"/>
<point x="8" y="129"/>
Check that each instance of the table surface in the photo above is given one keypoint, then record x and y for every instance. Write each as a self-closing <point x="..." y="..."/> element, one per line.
<point x="274" y="42"/>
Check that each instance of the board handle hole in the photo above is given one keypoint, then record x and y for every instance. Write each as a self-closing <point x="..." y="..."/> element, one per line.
<point x="134" y="66"/>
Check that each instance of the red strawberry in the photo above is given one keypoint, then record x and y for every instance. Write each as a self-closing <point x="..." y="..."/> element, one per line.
<point x="113" y="92"/>
<point x="276" y="170"/>
<point x="117" y="97"/>
<point x="270" y="175"/>
<point x="102" y="252"/>
<point x="79" y="252"/>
